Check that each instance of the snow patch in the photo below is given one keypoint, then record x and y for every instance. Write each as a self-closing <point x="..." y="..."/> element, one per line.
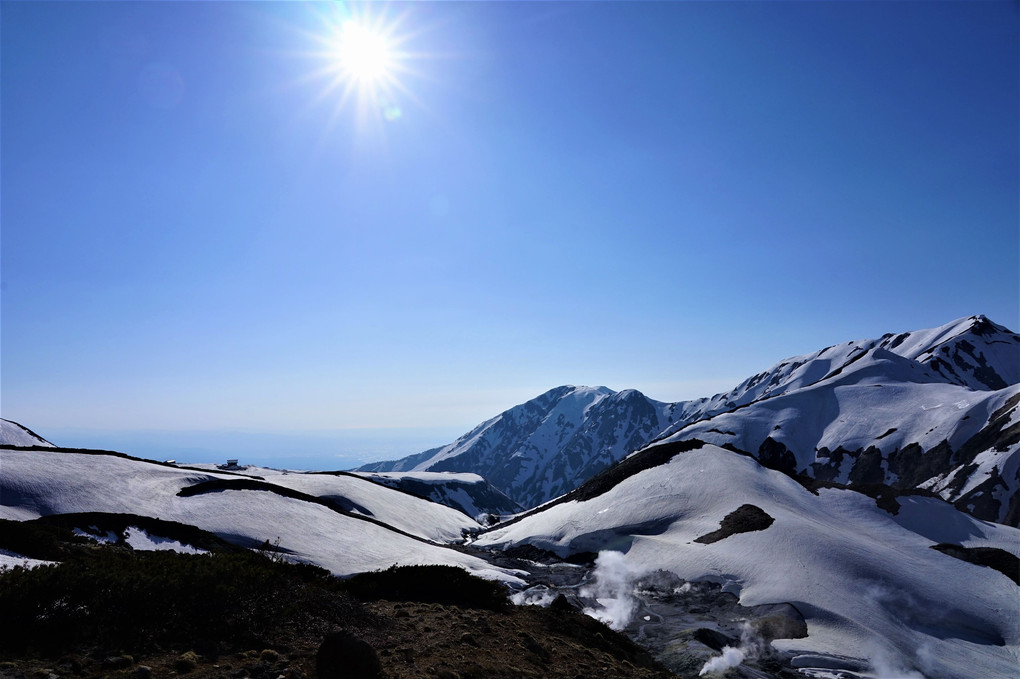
<point x="10" y="560"/>
<point x="141" y="541"/>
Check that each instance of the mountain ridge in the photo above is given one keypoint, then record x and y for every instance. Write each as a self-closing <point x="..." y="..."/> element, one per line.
<point x="548" y="446"/>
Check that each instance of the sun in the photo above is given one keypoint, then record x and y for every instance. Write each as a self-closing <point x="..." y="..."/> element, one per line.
<point x="363" y="55"/>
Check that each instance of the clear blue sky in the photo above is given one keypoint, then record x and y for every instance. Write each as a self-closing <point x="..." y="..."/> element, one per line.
<point x="201" y="233"/>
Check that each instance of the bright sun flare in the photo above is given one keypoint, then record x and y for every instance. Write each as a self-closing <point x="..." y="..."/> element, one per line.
<point x="363" y="55"/>
<point x="363" y="58"/>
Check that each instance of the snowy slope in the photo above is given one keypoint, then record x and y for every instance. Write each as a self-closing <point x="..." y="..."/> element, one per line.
<point x="14" y="434"/>
<point x="971" y="352"/>
<point x="468" y="493"/>
<point x="885" y="418"/>
<point x="37" y="483"/>
<point x="421" y="518"/>
<point x="867" y="582"/>
<point x="543" y="448"/>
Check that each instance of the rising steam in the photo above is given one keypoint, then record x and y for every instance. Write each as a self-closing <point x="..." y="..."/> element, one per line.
<point x="613" y="589"/>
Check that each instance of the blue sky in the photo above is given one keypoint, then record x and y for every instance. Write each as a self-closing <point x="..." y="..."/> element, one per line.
<point x="201" y="236"/>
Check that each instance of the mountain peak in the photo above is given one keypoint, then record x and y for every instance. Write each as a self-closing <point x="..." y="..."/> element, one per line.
<point x="972" y="352"/>
<point x="548" y="445"/>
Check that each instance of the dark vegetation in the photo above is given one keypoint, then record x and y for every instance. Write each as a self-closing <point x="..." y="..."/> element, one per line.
<point x="36" y="540"/>
<point x="52" y="538"/>
<point x="743" y="519"/>
<point x="419" y="584"/>
<point x="991" y="557"/>
<point x="106" y="610"/>
<point x="912" y="465"/>
<point x="140" y="602"/>
<point x="229" y="599"/>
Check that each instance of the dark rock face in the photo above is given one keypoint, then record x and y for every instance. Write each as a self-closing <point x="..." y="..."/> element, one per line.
<point x="868" y="467"/>
<point x="990" y="557"/>
<point x="744" y="519"/>
<point x="779" y="621"/>
<point x="775" y="455"/>
<point x="912" y="465"/>
<point x="714" y="639"/>
<point x="344" y="656"/>
<point x="826" y="466"/>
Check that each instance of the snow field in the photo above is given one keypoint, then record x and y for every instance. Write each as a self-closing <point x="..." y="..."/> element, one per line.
<point x="868" y="585"/>
<point x="37" y="483"/>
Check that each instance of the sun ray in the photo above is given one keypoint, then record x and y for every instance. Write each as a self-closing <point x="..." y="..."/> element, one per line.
<point x="364" y="65"/>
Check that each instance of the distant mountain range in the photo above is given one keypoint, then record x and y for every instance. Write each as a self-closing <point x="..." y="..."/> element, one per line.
<point x="932" y="409"/>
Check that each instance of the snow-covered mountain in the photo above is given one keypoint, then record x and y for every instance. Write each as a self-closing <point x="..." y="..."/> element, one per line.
<point x="937" y="409"/>
<point x="14" y="434"/>
<point x="545" y="447"/>
<point x="877" y="598"/>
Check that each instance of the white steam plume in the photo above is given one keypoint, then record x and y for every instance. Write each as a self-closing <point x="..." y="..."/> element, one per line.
<point x="613" y="588"/>
<point x="751" y="646"/>
<point x="731" y="657"/>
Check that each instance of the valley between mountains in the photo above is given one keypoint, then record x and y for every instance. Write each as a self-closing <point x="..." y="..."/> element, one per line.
<point x="849" y="513"/>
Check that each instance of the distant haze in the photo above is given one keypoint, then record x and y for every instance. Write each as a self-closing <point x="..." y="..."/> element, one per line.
<point x="320" y="450"/>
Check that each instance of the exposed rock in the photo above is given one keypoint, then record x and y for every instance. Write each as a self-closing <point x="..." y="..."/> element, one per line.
<point x="775" y="455"/>
<point x="991" y="557"/>
<point x="714" y="639"/>
<point x="743" y="519"/>
<point x="779" y="621"/>
<point x="867" y="468"/>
